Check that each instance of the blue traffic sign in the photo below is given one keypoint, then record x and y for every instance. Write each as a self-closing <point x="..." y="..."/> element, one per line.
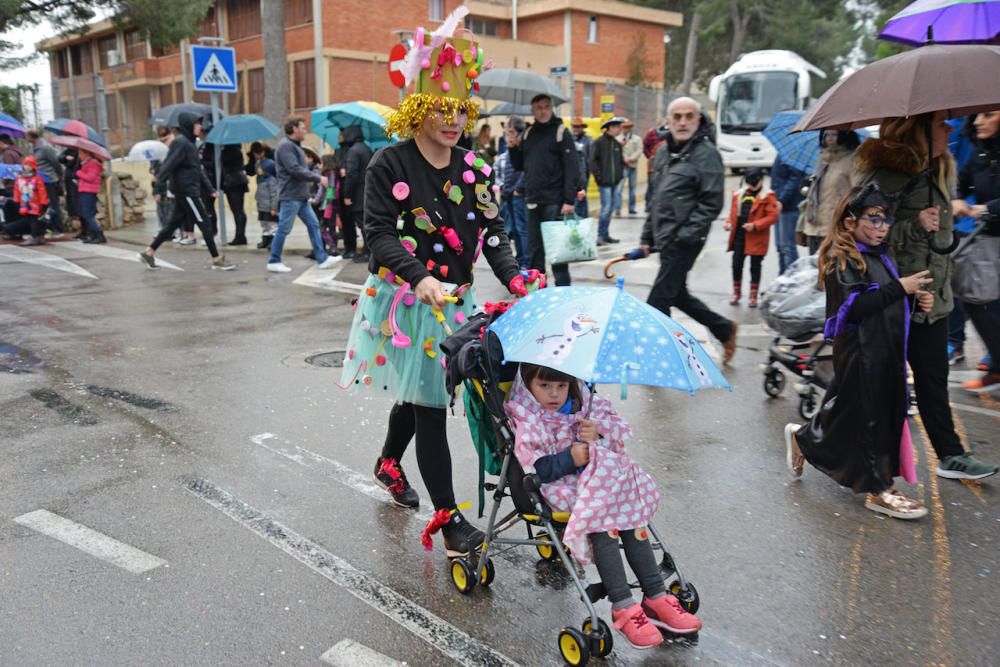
<point x="214" y="68"/>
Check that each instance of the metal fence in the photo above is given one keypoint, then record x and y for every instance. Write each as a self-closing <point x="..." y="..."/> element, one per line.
<point x="645" y="106"/>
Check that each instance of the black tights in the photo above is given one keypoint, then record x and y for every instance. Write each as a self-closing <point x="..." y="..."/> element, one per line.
<point x="756" y="261"/>
<point x="433" y="455"/>
<point x="640" y="556"/>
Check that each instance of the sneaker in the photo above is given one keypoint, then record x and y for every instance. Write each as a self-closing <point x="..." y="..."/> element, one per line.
<point x="361" y="257"/>
<point x="278" y="267"/>
<point x="149" y="261"/>
<point x="349" y="254"/>
<point x="633" y="623"/>
<point x="793" y="455"/>
<point x="666" y="613"/>
<point x="984" y="385"/>
<point x="187" y="240"/>
<point x="460" y="536"/>
<point x="985" y="363"/>
<point x="611" y="239"/>
<point x="328" y="263"/>
<point x="390" y="476"/>
<point x="963" y="466"/>
<point x="220" y="264"/>
<point x="895" y="504"/>
<point x="955" y="354"/>
<point x="729" y="346"/>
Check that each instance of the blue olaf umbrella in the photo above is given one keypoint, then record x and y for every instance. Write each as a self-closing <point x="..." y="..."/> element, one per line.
<point x="604" y="335"/>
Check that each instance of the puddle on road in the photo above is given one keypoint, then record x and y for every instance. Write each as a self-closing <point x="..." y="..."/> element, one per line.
<point x="126" y="397"/>
<point x="64" y="408"/>
<point x="17" y="360"/>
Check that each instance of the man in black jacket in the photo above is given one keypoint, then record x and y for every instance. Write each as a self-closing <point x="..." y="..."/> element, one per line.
<point x="608" y="167"/>
<point x="356" y="158"/>
<point x="235" y="182"/>
<point x="547" y="155"/>
<point x="182" y="170"/>
<point x="689" y="182"/>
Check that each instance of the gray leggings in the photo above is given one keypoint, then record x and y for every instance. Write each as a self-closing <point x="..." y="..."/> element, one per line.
<point x="640" y="558"/>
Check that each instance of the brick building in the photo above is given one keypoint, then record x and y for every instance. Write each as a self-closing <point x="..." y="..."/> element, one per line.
<point x="597" y="40"/>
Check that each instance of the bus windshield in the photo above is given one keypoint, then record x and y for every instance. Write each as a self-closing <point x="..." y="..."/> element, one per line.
<point x="749" y="101"/>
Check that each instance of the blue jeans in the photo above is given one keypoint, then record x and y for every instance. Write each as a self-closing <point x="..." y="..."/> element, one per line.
<point x="632" y="176"/>
<point x="581" y="208"/>
<point x="536" y="248"/>
<point x="611" y="200"/>
<point x="515" y="219"/>
<point x="86" y="207"/>
<point x="287" y="210"/>
<point x="785" y="239"/>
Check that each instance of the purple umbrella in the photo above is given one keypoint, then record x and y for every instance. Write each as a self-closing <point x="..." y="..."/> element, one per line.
<point x="10" y="125"/>
<point x="945" y="22"/>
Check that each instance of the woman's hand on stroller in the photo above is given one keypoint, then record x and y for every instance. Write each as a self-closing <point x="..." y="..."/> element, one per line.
<point x="429" y="291"/>
<point x="581" y="454"/>
<point x="588" y="431"/>
<point x="925" y="300"/>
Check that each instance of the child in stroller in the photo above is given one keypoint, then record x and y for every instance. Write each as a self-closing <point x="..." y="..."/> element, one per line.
<point x="489" y="381"/>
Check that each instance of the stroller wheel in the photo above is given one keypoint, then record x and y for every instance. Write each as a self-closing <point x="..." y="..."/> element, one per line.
<point x="688" y="598"/>
<point x="462" y="576"/>
<point x="607" y="642"/>
<point x="774" y="382"/>
<point x="546" y="551"/>
<point x="488" y="573"/>
<point x="808" y="406"/>
<point x="573" y="647"/>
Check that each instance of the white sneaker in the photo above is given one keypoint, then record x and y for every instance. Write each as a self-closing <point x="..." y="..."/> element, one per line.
<point x="329" y="262"/>
<point x="278" y="267"/>
<point x="187" y="240"/>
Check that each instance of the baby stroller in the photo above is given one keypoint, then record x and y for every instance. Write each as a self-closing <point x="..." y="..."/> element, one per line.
<point x="478" y="365"/>
<point x="795" y="307"/>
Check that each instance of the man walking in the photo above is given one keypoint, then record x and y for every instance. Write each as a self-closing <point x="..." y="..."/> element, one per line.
<point x="294" y="181"/>
<point x="690" y="189"/>
<point x="547" y="155"/>
<point x="51" y="171"/>
<point x="631" y="151"/>
<point x="584" y="144"/>
<point x="358" y="155"/>
<point x="607" y="166"/>
<point x="786" y="181"/>
<point x="515" y="215"/>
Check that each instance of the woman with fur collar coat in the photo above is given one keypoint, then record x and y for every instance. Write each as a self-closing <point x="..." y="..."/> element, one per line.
<point x="834" y="177"/>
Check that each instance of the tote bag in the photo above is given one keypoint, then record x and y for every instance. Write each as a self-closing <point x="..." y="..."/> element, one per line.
<point x="570" y="240"/>
<point x="976" y="278"/>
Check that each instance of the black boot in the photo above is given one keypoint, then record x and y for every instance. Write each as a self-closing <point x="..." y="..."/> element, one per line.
<point x="265" y="242"/>
<point x="96" y="238"/>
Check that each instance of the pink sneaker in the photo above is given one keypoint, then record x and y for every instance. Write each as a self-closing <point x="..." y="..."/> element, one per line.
<point x="667" y="613"/>
<point x="632" y="622"/>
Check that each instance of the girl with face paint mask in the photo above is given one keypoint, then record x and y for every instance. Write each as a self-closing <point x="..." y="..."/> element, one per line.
<point x="754" y="210"/>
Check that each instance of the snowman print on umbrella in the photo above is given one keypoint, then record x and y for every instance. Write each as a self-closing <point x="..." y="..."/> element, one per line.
<point x="557" y="347"/>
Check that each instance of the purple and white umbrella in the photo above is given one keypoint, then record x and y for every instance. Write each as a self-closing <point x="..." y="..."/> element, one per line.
<point x="945" y="22"/>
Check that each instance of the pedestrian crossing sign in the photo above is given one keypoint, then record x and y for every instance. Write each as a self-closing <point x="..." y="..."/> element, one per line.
<point x="214" y="68"/>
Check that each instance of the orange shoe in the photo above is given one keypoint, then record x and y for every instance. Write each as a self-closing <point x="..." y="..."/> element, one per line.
<point x="635" y="626"/>
<point x="987" y="383"/>
<point x="667" y="613"/>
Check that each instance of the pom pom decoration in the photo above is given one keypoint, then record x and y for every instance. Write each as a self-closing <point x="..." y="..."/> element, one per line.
<point x="400" y="191"/>
<point x="469" y="176"/>
<point x="409" y="299"/>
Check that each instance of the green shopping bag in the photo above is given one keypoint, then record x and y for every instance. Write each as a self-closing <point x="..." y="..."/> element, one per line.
<point x="484" y="438"/>
<point x="570" y="240"/>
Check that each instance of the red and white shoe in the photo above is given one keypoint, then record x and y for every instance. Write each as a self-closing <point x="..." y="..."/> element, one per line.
<point x="635" y="626"/>
<point x="666" y="612"/>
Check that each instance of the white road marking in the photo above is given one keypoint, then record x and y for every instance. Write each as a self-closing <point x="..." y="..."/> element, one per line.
<point x="117" y="253"/>
<point x="90" y="541"/>
<point x="975" y="409"/>
<point x="440" y="634"/>
<point x="326" y="279"/>
<point x="30" y="256"/>
<point x="349" y="653"/>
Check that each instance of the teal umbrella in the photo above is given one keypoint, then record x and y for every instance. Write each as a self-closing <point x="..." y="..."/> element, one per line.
<point x="241" y="129"/>
<point x="327" y="122"/>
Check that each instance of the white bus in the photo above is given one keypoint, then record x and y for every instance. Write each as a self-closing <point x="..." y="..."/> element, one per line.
<point x="748" y="95"/>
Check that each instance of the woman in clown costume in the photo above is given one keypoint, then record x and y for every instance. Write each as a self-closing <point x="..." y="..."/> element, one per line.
<point x="430" y="210"/>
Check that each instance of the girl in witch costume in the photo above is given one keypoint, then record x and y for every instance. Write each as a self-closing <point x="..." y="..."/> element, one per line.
<point x="430" y="210"/>
<point x="860" y="436"/>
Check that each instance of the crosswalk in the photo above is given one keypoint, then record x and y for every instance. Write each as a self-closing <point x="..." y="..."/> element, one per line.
<point x="58" y="256"/>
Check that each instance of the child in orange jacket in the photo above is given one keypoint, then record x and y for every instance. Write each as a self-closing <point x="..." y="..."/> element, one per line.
<point x="32" y="200"/>
<point x="753" y="212"/>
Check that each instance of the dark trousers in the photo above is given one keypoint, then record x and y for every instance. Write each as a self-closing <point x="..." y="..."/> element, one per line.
<point x="639" y="553"/>
<point x="670" y="291"/>
<point x="235" y="199"/>
<point x="349" y="227"/>
<point x="87" y="210"/>
<point x="208" y="209"/>
<point x="188" y="212"/>
<point x="536" y="249"/>
<point x="986" y="318"/>
<point x="927" y="352"/>
<point x="407" y="420"/>
<point x="54" y="190"/>
<point x="956" y="325"/>
<point x="756" y="263"/>
<point x="813" y="243"/>
<point x="26" y="224"/>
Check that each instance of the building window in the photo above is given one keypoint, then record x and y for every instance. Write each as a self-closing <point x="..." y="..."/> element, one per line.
<point x="135" y="45"/>
<point x="298" y="12"/>
<point x="435" y="10"/>
<point x="588" y="99"/>
<point x="162" y="51"/>
<point x="255" y="90"/>
<point x="178" y="92"/>
<point x="244" y="18"/>
<point x="480" y="26"/>
<point x="305" y="84"/>
<point x="60" y="58"/>
<point x="167" y="94"/>
<point x="105" y="45"/>
<point x="592" y="29"/>
<point x="81" y="58"/>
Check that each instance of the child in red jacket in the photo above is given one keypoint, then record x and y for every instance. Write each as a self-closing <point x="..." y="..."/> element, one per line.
<point x="753" y="212"/>
<point x="32" y="200"/>
<point x="88" y="178"/>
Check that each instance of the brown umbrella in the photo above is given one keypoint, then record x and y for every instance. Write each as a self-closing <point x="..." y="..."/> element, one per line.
<point x="100" y="152"/>
<point x="960" y="79"/>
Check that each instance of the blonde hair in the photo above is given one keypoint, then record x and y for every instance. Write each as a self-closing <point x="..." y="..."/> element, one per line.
<point x="909" y="136"/>
<point x="839" y="246"/>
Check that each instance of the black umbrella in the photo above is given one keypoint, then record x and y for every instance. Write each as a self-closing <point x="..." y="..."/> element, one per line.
<point x="168" y="115"/>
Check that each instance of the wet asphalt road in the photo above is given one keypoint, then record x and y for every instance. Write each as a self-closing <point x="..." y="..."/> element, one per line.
<point x="174" y="412"/>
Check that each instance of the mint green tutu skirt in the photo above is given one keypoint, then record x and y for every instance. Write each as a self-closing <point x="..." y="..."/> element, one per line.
<point x="403" y="361"/>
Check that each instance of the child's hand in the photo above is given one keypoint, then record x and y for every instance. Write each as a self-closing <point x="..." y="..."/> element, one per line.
<point x="588" y="431"/>
<point x="912" y="284"/>
<point x="581" y="454"/>
<point x="925" y="300"/>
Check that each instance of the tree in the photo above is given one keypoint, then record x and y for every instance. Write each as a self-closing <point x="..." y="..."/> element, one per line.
<point x="10" y="101"/>
<point x="272" y="18"/>
<point x="637" y="62"/>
